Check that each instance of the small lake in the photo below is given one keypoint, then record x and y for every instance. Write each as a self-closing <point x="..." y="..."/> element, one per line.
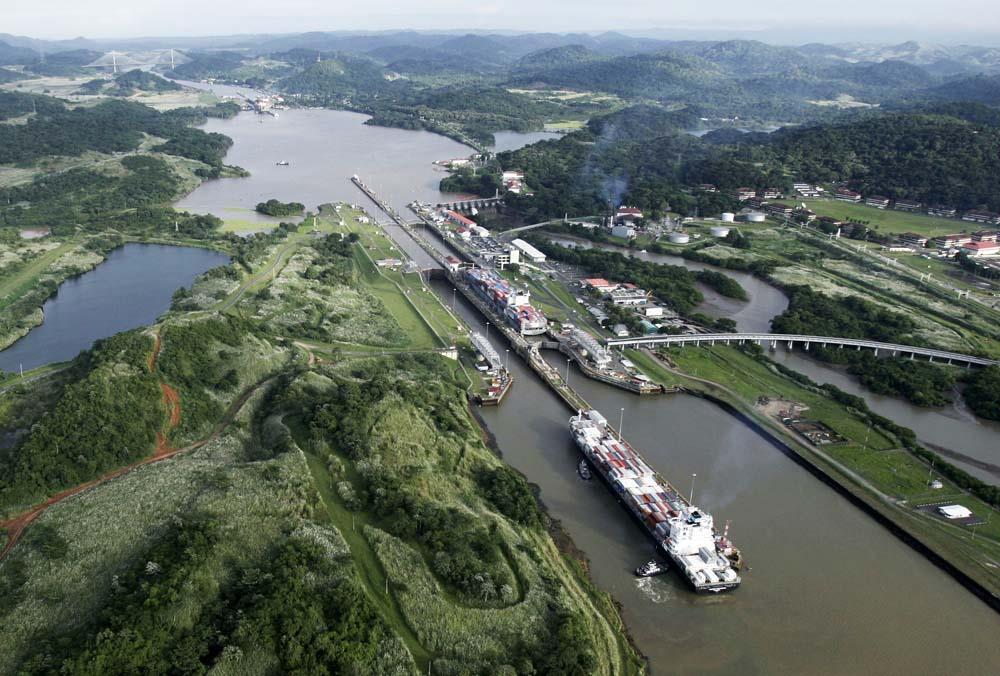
<point x="131" y="288"/>
<point x="515" y="140"/>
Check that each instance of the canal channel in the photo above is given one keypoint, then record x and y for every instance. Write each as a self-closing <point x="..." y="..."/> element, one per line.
<point x="829" y="591"/>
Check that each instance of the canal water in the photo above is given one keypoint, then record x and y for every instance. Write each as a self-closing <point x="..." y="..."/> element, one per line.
<point x="967" y="441"/>
<point x="131" y="288"/>
<point x="830" y="592"/>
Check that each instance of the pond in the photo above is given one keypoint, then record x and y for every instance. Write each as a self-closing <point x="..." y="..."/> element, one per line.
<point x="131" y="288"/>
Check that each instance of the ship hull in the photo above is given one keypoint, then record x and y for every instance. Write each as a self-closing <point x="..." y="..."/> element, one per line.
<point x="701" y="588"/>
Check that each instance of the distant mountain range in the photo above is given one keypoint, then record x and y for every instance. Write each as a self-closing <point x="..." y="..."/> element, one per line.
<point x="746" y="56"/>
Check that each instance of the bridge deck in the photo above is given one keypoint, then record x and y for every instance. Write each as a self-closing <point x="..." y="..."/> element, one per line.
<point x="698" y="338"/>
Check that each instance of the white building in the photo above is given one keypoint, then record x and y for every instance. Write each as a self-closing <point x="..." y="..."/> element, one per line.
<point x="626" y="231"/>
<point x="954" y="512"/>
<point x="530" y="253"/>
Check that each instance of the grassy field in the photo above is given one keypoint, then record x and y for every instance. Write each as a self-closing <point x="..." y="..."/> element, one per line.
<point x="888" y="220"/>
<point x="751" y="380"/>
<point x="17" y="284"/>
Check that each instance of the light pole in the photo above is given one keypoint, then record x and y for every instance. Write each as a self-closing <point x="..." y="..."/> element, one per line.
<point x="621" y="421"/>
<point x="691" y="497"/>
<point x="506" y="360"/>
<point x="487" y="330"/>
<point x="566" y="379"/>
<point x="454" y="291"/>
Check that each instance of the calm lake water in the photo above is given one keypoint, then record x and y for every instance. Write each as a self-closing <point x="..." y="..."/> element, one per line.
<point x="514" y="140"/>
<point x="830" y="592"/>
<point x="131" y="288"/>
<point x="323" y="149"/>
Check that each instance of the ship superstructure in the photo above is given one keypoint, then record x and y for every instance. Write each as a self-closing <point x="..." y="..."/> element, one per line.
<point x="685" y="533"/>
<point x="510" y="303"/>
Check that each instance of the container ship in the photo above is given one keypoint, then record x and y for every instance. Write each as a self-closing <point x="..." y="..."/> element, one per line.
<point x="686" y="534"/>
<point x="510" y="303"/>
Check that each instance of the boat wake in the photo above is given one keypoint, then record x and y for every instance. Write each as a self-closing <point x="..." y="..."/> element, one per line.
<point x="657" y="591"/>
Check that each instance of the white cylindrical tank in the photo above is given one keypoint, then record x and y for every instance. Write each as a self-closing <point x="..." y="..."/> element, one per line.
<point x="718" y="231"/>
<point x="728" y="217"/>
<point x="755" y="217"/>
<point x="679" y="237"/>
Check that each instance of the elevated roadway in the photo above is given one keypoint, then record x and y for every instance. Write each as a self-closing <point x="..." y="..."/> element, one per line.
<point x="792" y="339"/>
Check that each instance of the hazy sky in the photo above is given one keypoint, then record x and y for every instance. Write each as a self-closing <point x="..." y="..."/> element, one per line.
<point x="843" y="19"/>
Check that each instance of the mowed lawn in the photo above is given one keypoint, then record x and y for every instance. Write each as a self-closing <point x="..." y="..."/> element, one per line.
<point x="888" y="220"/>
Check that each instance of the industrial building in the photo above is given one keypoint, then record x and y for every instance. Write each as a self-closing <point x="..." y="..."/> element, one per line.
<point x="530" y="253"/>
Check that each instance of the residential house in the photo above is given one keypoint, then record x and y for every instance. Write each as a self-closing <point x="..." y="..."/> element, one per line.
<point x="981" y="249"/>
<point x="942" y="211"/>
<point x="981" y="217"/>
<point x="912" y="239"/>
<point x="845" y="195"/>
<point x="948" y="241"/>
<point x="907" y="205"/>
<point x="877" y="201"/>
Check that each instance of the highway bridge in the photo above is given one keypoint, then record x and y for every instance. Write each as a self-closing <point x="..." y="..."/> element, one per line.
<point x="791" y="340"/>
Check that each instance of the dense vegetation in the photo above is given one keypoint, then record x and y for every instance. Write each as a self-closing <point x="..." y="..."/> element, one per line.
<point x="273" y="207"/>
<point x="813" y="313"/>
<point x="132" y="81"/>
<point x="918" y="382"/>
<point x="295" y="605"/>
<point x="982" y="393"/>
<point x="109" y="127"/>
<point x="724" y="284"/>
<point x="107" y="417"/>
<point x="930" y="158"/>
<point x="199" y="361"/>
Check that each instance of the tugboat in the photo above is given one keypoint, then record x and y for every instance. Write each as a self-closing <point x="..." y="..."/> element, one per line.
<point x="282" y="163"/>
<point x="584" y="471"/>
<point x="651" y="568"/>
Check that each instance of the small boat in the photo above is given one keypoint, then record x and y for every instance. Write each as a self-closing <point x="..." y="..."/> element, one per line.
<point x="584" y="471"/>
<point x="282" y="163"/>
<point x="651" y="568"/>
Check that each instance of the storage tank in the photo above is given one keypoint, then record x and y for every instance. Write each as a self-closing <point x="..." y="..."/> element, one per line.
<point x="679" y="237"/>
<point x="728" y="217"/>
<point x="755" y="217"/>
<point x="718" y="231"/>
